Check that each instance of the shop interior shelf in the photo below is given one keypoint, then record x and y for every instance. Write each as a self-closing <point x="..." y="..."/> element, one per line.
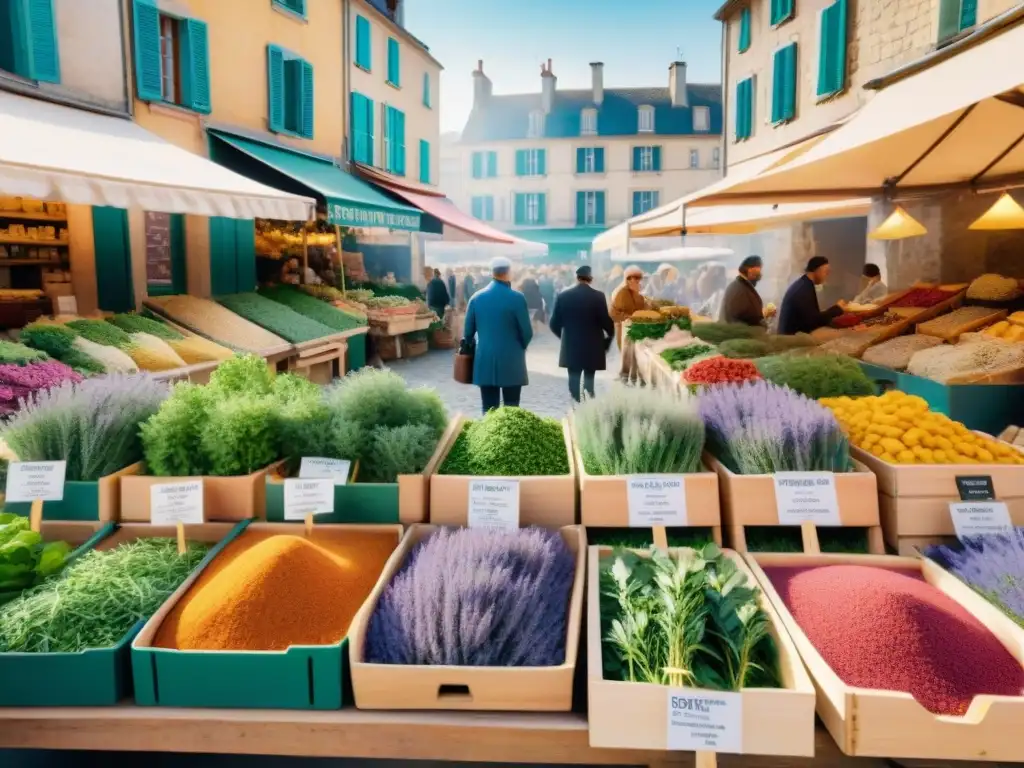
<point x="26" y="216"/>
<point x="5" y="240"/>
<point x="31" y="263"/>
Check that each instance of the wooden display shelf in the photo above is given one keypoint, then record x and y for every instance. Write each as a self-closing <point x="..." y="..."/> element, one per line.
<point x="548" y="738"/>
<point x="6" y="240"/>
<point x="32" y="263"/>
<point x="27" y="216"/>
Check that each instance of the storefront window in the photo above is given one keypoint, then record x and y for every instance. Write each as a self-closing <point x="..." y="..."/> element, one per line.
<point x="165" y="253"/>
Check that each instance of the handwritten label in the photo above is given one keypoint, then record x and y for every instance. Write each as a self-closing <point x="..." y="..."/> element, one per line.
<point x="493" y="503"/>
<point x="807" y="497"/>
<point x="308" y="497"/>
<point x="656" y="501"/>
<point x="31" y="480"/>
<point x="315" y="468"/>
<point x="975" y="488"/>
<point x="980" y="518"/>
<point x="705" y="721"/>
<point x="173" y="503"/>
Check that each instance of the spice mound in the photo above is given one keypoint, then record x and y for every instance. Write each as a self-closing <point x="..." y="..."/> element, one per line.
<point x="477" y="598"/>
<point x="268" y="592"/>
<point x="890" y="630"/>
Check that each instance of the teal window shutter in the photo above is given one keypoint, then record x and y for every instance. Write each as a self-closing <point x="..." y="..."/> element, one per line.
<point x="426" y="90"/>
<point x="146" y="24"/>
<point x="307" y="113"/>
<point x="656" y="158"/>
<point x="520" y="206"/>
<point x="492" y="165"/>
<point x="637" y="151"/>
<point x="968" y="14"/>
<point x="782" y="10"/>
<point x="542" y="158"/>
<point x="599" y="208"/>
<point x="832" y="50"/>
<point x="740" y="111"/>
<point x="371" y="139"/>
<point x="599" y="160"/>
<point x="521" y="162"/>
<point x="358" y="108"/>
<point x="744" y="41"/>
<point x="114" y="288"/>
<point x="15" y="48"/>
<point x="394" y="63"/>
<point x="955" y="16"/>
<point x="636" y="203"/>
<point x="364" y="52"/>
<point x="478" y="165"/>
<point x="477" y="206"/>
<point x="542" y="213"/>
<point x="789" y="83"/>
<point x="245" y="255"/>
<point x="581" y="208"/>
<point x="387" y="160"/>
<point x="195" y="66"/>
<point x="232" y="255"/>
<point x="43" y="41"/>
<point x="275" y="88"/>
<point x="424" y="161"/>
<point x="581" y="160"/>
<point x="401" y="142"/>
<point x="488" y="208"/>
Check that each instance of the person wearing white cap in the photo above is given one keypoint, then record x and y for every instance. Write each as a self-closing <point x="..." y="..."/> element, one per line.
<point x="498" y="321"/>
<point x="626" y="300"/>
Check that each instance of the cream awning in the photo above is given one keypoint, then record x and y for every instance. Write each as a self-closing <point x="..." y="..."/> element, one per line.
<point x="53" y="152"/>
<point x="958" y="123"/>
<point x="747" y="219"/>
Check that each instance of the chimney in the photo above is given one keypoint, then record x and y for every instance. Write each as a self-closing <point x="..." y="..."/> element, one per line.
<point x="597" y="76"/>
<point x="481" y="85"/>
<point x="677" y="84"/>
<point x="547" y="88"/>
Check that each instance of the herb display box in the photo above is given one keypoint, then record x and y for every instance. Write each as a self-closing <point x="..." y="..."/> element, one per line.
<point x="301" y="677"/>
<point x="100" y="676"/>
<point x="405" y="501"/>
<point x="85" y="500"/>
<point x="751" y="500"/>
<point x="548" y="501"/>
<point x="623" y="715"/>
<point x="511" y="689"/>
<point x="225" y="499"/>
<point x="892" y="724"/>
<point x="914" y="499"/>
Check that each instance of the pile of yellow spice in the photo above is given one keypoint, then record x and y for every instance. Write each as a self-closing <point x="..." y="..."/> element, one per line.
<point x="900" y="429"/>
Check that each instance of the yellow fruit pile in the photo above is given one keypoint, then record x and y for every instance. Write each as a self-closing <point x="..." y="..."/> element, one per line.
<point x="898" y="428"/>
<point x="1006" y="331"/>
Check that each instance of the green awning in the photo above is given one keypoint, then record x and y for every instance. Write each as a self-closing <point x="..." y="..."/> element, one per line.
<point x="578" y="238"/>
<point x="350" y="202"/>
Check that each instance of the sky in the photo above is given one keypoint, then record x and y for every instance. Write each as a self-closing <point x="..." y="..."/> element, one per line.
<point x="636" y="40"/>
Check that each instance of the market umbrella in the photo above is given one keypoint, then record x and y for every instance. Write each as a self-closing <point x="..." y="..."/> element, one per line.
<point x="687" y="253"/>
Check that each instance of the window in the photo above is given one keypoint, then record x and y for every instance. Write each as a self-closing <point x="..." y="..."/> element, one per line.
<point x="536" y="127"/>
<point x="485" y="165"/>
<point x="394" y="64"/>
<point x="701" y="119"/>
<point x="165" y="254"/>
<point x="589" y="209"/>
<point x="424" y="161"/>
<point x="782" y="10"/>
<point x="492" y="165"/>
<point x="716" y="157"/>
<point x="298" y="7"/>
<point x="646" y="159"/>
<point x="289" y="93"/>
<point x="744" y="40"/>
<point x="695" y="158"/>
<point x="832" y="49"/>
<point x="364" y="49"/>
<point x="644" y="202"/>
<point x="172" y="58"/>
<point x="28" y="40"/>
<point x="645" y="119"/>
<point x="530" y="209"/>
<point x="530" y="162"/>
<point x="745" y="109"/>
<point x="426" y="90"/>
<point x="784" y="84"/>
<point x="590" y="160"/>
<point x="955" y="16"/>
<point x="394" y="140"/>
<point x="362" y="129"/>
<point x="588" y="122"/>
<point x="483" y="208"/>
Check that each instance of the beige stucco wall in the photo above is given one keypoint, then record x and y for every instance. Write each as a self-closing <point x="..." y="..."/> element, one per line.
<point x="421" y="122"/>
<point x="562" y="182"/>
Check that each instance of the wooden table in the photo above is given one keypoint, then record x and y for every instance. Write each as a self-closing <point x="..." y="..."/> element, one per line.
<point x="554" y="738"/>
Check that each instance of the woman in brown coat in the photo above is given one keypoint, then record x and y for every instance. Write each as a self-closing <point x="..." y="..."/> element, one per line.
<point x="626" y="300"/>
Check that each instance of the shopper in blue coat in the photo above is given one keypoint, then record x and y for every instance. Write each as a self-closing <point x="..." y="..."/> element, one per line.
<point x="498" y="319"/>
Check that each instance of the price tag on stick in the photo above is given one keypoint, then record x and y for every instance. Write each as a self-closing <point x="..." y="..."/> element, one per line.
<point x="307" y="497"/>
<point x="173" y="503"/>
<point x="493" y="503"/>
<point x="182" y="544"/>
<point x="315" y="468"/>
<point x="704" y="721"/>
<point x="35" y="480"/>
<point x="980" y="518"/>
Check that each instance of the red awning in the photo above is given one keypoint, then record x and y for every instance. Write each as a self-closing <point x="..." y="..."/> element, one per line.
<point x="440" y="207"/>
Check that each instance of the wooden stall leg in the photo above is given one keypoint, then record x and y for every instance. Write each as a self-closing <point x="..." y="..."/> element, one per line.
<point x="660" y="537"/>
<point x="876" y="541"/>
<point x="704" y="760"/>
<point x="809" y="533"/>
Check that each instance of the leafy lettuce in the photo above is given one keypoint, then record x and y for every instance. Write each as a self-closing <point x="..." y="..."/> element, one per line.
<point x="25" y="559"/>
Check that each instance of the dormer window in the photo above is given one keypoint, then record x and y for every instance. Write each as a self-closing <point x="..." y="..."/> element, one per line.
<point x="701" y="119"/>
<point x="536" y="129"/>
<point x="588" y="122"/>
<point x="646" y="119"/>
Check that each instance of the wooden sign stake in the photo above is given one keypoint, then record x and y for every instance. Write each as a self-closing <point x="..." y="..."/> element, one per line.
<point x="704" y="760"/>
<point x="182" y="544"/>
<point x="35" y="515"/>
<point x="660" y="537"/>
<point x="809" y="533"/>
<point x="309" y="524"/>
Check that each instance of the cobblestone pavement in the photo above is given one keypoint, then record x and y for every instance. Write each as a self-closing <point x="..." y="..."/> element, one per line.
<point x="546" y="395"/>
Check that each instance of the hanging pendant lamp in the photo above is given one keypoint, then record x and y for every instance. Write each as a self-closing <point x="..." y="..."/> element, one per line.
<point x="1005" y="213"/>
<point x="899" y="226"/>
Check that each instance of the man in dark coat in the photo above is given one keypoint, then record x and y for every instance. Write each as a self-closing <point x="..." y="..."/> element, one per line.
<point x="581" y="320"/>
<point x="450" y="279"/>
<point x="437" y="294"/>
<point x="800" y="312"/>
<point x="742" y="303"/>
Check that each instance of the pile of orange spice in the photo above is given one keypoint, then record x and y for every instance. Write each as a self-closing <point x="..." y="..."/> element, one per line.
<point x="268" y="591"/>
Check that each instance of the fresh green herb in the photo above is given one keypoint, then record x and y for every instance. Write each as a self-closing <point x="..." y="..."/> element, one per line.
<point x="508" y="442"/>
<point x="642" y="330"/>
<point x="58" y="341"/>
<point x="25" y="559"/>
<point x="274" y="317"/>
<point x="818" y="377"/>
<point x="404" y="290"/>
<point x="101" y="332"/>
<point x="385" y="302"/>
<point x="680" y="357"/>
<point x="18" y="354"/>
<point x="716" y="333"/>
<point x="132" y="323"/>
<point x="312" y="308"/>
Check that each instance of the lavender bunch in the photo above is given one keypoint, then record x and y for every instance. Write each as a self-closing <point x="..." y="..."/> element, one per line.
<point x="760" y="428"/>
<point x="992" y="565"/>
<point x="93" y="425"/>
<point x="478" y="598"/>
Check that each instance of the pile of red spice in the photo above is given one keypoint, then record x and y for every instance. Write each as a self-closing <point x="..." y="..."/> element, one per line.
<point x="891" y="630"/>
<point x="720" y="370"/>
<point x="923" y="298"/>
<point x="848" y="320"/>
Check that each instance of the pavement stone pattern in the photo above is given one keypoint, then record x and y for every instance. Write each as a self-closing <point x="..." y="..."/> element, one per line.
<point x="546" y="395"/>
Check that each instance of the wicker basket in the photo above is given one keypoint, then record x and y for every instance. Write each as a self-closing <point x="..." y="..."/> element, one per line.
<point x="414" y="348"/>
<point x="442" y="339"/>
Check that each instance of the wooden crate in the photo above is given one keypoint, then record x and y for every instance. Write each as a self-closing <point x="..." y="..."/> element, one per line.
<point x="922" y="315"/>
<point x="225" y="499"/>
<point x="951" y="335"/>
<point x="749" y="500"/>
<point x="513" y="689"/>
<point x="634" y="715"/>
<point x="876" y="723"/>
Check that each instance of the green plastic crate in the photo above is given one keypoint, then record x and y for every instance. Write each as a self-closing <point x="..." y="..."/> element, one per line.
<point x="92" y="678"/>
<point x="356" y="356"/>
<point x="984" y="407"/>
<point x="883" y="378"/>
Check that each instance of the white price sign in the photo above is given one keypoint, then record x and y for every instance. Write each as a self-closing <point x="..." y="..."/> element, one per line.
<point x="493" y="503"/>
<point x="705" y="721"/>
<point x="173" y="503"/>
<point x="807" y="497"/>
<point x="656" y="500"/>
<point x="315" y="468"/>
<point x="980" y="518"/>
<point x="307" y="497"/>
<point x="31" y="480"/>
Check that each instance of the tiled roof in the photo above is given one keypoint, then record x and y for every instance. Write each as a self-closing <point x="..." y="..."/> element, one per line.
<point x="508" y="117"/>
